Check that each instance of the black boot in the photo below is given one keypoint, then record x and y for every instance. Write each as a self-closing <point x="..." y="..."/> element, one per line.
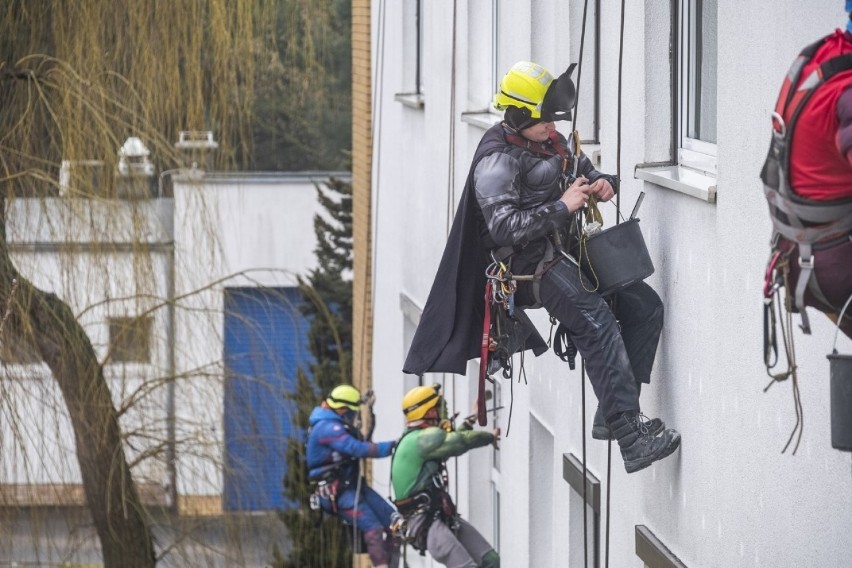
<point x="638" y="447"/>
<point x="600" y="431"/>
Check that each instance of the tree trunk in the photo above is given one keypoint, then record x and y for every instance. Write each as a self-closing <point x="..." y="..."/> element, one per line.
<point x="43" y="320"/>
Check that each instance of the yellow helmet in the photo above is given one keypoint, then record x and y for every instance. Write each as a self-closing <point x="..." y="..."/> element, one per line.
<point x="524" y="86"/>
<point x="419" y="400"/>
<point x="531" y="87"/>
<point x="344" y="395"/>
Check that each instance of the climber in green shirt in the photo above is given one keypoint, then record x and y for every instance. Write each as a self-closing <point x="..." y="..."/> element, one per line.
<point x="418" y="476"/>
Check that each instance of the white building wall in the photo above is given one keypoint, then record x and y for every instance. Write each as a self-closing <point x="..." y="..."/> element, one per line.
<point x="728" y="497"/>
<point x="230" y="231"/>
<point x="75" y="249"/>
<point x="114" y="259"/>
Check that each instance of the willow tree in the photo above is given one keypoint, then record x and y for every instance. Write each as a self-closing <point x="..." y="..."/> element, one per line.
<point x="76" y="80"/>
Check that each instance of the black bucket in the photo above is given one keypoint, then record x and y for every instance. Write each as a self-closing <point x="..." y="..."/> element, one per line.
<point x="615" y="257"/>
<point x="841" y="394"/>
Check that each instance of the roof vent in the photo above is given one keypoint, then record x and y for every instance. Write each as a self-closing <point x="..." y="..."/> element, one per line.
<point x="133" y="159"/>
<point x="83" y="178"/>
<point x="197" y="146"/>
<point x="136" y="178"/>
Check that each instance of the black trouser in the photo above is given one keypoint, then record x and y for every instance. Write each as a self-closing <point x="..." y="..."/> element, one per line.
<point x="616" y="360"/>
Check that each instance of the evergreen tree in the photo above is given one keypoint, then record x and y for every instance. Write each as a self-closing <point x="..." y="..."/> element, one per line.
<point x="327" y="294"/>
<point x="302" y="105"/>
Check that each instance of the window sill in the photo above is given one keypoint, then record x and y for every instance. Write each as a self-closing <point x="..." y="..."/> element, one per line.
<point x="412" y="100"/>
<point x="653" y="552"/>
<point x="481" y="118"/>
<point x="593" y="151"/>
<point x="678" y="178"/>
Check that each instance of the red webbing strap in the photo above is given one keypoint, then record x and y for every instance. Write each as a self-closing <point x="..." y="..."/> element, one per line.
<point x="556" y="148"/>
<point x="481" y="416"/>
<point x="539" y="147"/>
<point x="790" y="82"/>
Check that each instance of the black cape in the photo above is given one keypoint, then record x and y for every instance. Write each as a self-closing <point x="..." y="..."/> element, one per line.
<point x="450" y="329"/>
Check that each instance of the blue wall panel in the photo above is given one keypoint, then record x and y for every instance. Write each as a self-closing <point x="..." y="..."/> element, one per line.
<point x="265" y="343"/>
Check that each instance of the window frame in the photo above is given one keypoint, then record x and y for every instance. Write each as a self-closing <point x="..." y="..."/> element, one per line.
<point x="596" y="67"/>
<point x="481" y="113"/>
<point x="119" y="327"/>
<point x="691" y="152"/>
<point x="412" y="94"/>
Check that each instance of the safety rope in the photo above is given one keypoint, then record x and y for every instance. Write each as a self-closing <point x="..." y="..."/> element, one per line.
<point x="378" y="81"/>
<point x="593" y="218"/>
<point x="777" y="277"/>
<point x="579" y="264"/>
<point x="617" y="221"/>
<point x="451" y="202"/>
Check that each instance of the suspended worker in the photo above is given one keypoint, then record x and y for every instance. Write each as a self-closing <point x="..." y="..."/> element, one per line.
<point x="419" y="480"/>
<point x="334" y="447"/>
<point x="524" y="188"/>
<point x="808" y="178"/>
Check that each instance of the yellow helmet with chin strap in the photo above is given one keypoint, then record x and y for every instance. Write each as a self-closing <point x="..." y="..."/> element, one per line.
<point x="524" y="86"/>
<point x="344" y="395"/>
<point x="531" y="88"/>
<point x="420" y="400"/>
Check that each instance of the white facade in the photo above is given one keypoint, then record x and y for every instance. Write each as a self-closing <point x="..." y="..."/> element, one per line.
<point x="120" y="258"/>
<point x="728" y="497"/>
<point x="230" y="231"/>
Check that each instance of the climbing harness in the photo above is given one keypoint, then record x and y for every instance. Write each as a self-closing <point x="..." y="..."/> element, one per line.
<point x="503" y="334"/>
<point x="804" y="222"/>
<point x="420" y="510"/>
<point x="797" y="223"/>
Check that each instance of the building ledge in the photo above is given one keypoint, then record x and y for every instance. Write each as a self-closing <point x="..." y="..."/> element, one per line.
<point x="412" y="100"/>
<point x="679" y="178"/>
<point x="481" y="118"/>
<point x="653" y="552"/>
<point x="67" y="495"/>
<point x="572" y="472"/>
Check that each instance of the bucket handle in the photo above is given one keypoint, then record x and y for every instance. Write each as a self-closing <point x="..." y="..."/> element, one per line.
<point x="839" y="321"/>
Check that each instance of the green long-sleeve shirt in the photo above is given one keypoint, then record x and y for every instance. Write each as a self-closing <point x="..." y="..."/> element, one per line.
<point x="421" y="452"/>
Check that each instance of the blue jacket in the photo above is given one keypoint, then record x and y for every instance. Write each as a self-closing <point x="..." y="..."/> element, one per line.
<point x="332" y="443"/>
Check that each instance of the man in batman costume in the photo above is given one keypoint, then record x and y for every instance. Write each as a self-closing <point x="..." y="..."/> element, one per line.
<point x="523" y="190"/>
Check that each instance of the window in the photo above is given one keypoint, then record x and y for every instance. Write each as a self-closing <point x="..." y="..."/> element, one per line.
<point x="483" y="76"/>
<point x="541" y="537"/>
<point x="697" y="64"/>
<point x="410" y="320"/>
<point x="587" y="121"/>
<point x="484" y="73"/>
<point x="130" y="340"/>
<point x="496" y="403"/>
<point x="681" y="71"/>
<point x="495" y="527"/>
<point x="412" y="54"/>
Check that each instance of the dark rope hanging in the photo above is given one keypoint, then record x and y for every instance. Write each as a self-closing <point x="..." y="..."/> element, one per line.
<point x="563" y="346"/>
<point x="568" y="351"/>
